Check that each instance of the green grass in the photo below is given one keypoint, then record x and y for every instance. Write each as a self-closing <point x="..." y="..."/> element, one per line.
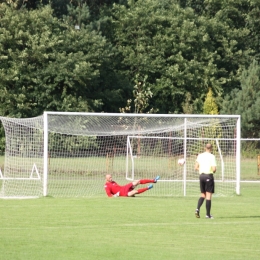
<point x="250" y="169"/>
<point x="91" y="166"/>
<point x="82" y="177"/>
<point x="131" y="228"/>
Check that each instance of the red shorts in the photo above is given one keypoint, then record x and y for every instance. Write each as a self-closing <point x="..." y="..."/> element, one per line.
<point x="125" y="189"/>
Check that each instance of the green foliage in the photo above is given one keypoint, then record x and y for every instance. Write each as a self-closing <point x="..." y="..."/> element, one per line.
<point x="246" y="102"/>
<point x="47" y="64"/>
<point x="214" y="130"/>
<point x="181" y="48"/>
<point x="69" y="145"/>
<point x="253" y="24"/>
<point x="142" y="95"/>
<point x="2" y="141"/>
<point x="210" y="107"/>
<point x="78" y="15"/>
<point x="250" y="149"/>
<point x="178" y="50"/>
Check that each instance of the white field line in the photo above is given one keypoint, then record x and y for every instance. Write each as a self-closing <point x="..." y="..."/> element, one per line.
<point x="172" y="224"/>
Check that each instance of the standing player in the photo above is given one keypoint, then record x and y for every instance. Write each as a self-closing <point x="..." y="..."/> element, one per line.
<point x="206" y="165"/>
<point x="114" y="190"/>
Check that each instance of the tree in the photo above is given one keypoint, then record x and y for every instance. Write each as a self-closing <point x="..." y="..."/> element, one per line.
<point x="48" y="65"/>
<point x="252" y="18"/>
<point x="142" y="94"/>
<point x="210" y="107"/>
<point x="236" y="47"/>
<point x="179" y="50"/>
<point x="246" y="101"/>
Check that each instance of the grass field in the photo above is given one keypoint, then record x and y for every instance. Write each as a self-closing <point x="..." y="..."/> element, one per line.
<point x="131" y="228"/>
<point x="84" y="176"/>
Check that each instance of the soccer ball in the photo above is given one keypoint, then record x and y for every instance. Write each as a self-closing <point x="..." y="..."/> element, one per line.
<point x="181" y="161"/>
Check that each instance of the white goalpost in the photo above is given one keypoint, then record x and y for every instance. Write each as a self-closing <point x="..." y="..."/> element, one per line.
<point x="67" y="154"/>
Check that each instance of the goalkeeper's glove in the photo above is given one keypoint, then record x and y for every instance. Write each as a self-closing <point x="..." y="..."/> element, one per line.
<point x="116" y="195"/>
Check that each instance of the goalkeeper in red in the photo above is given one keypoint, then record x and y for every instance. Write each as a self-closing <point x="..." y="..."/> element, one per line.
<point x="114" y="190"/>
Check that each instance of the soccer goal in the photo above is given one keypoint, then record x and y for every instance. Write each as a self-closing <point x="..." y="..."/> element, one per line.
<point x="67" y="154"/>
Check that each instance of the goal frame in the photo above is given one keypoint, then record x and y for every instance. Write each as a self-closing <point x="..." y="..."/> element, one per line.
<point x="31" y="142"/>
<point x="130" y="176"/>
<point x="184" y="116"/>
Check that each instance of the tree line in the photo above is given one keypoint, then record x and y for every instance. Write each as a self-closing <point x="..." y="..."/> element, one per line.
<point x="170" y="56"/>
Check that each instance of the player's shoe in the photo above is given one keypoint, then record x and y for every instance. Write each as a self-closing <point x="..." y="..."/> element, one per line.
<point x="150" y="186"/>
<point x="210" y="216"/>
<point x="197" y="213"/>
<point x="156" y="179"/>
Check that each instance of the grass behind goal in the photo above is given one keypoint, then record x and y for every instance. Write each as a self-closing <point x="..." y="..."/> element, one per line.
<point x="131" y="228"/>
<point x="84" y="177"/>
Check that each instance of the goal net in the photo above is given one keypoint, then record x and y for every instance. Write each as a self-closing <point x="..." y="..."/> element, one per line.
<point x="65" y="154"/>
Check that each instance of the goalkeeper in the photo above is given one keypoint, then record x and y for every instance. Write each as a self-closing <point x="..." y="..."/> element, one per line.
<point x="114" y="190"/>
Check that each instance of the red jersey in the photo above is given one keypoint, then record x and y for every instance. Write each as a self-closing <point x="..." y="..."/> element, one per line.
<point x="112" y="188"/>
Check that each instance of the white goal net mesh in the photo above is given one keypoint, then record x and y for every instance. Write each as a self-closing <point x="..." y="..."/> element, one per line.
<point x="83" y="147"/>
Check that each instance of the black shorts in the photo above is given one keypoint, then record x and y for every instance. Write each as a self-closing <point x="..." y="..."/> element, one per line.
<point x="207" y="183"/>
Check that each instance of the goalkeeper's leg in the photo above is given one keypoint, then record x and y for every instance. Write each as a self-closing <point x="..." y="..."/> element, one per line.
<point x="145" y="181"/>
<point x="139" y="191"/>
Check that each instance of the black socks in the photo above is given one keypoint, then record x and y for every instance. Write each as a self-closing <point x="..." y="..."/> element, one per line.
<point x="200" y="202"/>
<point x="208" y="207"/>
